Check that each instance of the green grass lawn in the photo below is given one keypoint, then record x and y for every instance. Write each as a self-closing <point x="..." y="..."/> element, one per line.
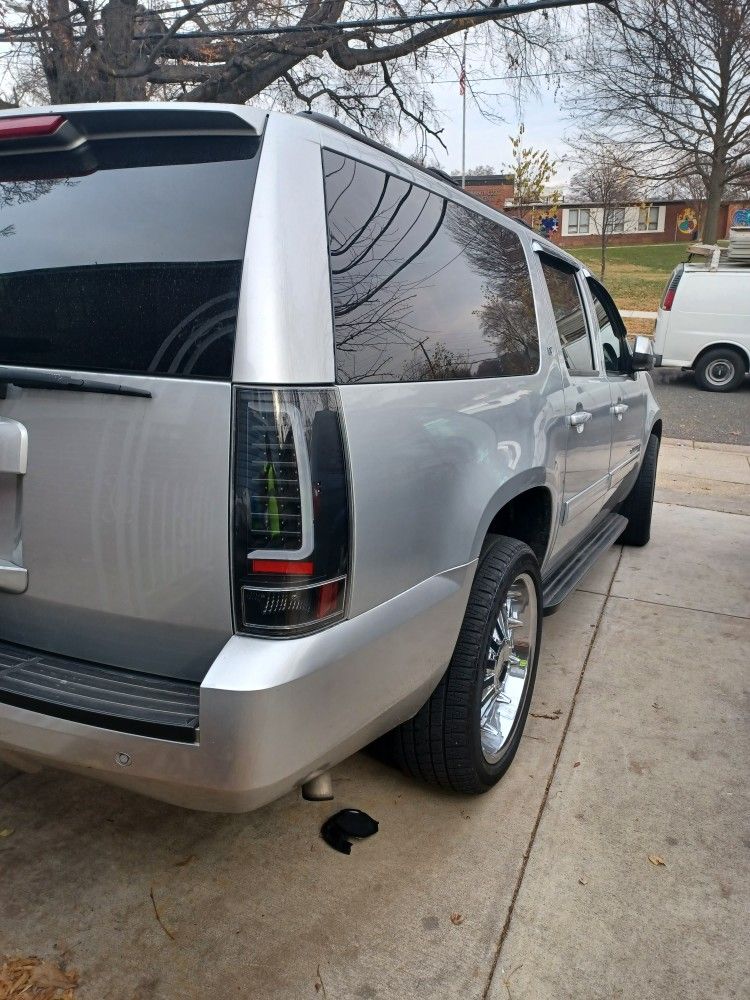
<point x="636" y="275"/>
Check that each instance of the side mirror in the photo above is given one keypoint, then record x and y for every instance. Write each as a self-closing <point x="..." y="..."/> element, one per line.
<point x="642" y="359"/>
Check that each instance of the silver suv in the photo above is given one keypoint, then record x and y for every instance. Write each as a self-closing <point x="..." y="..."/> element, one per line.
<point x="298" y="443"/>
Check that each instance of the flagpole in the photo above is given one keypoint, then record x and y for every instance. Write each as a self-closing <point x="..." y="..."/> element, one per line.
<point x="463" y="122"/>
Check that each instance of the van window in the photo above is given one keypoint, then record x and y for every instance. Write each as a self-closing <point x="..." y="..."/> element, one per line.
<point x="568" y="310"/>
<point x="423" y="289"/>
<point x="131" y="267"/>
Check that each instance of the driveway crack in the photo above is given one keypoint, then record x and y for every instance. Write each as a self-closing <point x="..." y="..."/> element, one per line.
<point x="545" y="797"/>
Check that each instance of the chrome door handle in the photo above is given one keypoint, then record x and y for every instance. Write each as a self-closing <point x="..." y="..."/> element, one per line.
<point x="618" y="409"/>
<point x="13" y="579"/>
<point x="14" y="447"/>
<point x="578" y="419"/>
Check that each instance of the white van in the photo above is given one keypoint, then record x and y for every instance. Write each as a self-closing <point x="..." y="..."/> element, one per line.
<point x="703" y="324"/>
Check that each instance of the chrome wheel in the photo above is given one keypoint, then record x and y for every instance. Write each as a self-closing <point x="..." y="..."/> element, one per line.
<point x="720" y="372"/>
<point x="510" y="656"/>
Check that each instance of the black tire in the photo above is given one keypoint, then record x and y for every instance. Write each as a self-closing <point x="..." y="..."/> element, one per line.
<point x="720" y="370"/>
<point x="639" y="503"/>
<point x="442" y="743"/>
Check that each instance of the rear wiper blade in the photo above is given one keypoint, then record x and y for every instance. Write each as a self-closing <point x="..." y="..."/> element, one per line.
<point x="71" y="383"/>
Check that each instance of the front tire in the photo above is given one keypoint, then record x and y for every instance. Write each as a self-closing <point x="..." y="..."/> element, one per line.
<point x="639" y="503"/>
<point x="467" y="734"/>
<point x="720" y="370"/>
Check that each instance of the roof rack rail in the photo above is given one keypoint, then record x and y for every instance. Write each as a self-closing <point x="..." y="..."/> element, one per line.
<point x="441" y="175"/>
<point x="334" y="123"/>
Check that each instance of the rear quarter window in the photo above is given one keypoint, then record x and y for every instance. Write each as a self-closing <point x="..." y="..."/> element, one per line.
<point x="423" y="289"/>
<point x="131" y="267"/>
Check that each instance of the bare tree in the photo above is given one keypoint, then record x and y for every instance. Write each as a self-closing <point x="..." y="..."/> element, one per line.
<point x="294" y="53"/>
<point x="672" y="79"/>
<point x="606" y="179"/>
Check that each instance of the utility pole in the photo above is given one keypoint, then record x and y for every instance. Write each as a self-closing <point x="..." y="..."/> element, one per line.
<point x="462" y="88"/>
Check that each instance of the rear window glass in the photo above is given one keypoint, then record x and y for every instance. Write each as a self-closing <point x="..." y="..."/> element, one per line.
<point x="134" y="267"/>
<point x="423" y="289"/>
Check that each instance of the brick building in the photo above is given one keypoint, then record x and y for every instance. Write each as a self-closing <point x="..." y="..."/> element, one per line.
<point x="578" y="224"/>
<point x="493" y="189"/>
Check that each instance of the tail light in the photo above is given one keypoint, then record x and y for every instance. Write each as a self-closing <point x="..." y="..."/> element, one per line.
<point x="42" y="147"/>
<point x="29" y="126"/>
<point x="290" y="533"/>
<point x="671" y="289"/>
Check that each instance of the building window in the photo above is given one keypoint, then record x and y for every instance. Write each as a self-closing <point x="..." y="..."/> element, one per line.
<point x="648" y="218"/>
<point x="618" y="220"/>
<point x="579" y="220"/>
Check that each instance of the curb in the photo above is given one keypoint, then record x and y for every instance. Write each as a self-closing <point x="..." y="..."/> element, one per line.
<point x="739" y="449"/>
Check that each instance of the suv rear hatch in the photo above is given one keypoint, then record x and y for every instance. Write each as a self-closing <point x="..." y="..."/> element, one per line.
<point x="122" y="240"/>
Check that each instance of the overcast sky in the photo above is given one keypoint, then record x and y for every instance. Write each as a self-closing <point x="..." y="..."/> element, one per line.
<point x="487" y="141"/>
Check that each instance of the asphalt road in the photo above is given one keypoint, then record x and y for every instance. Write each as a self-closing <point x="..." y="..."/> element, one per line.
<point x="689" y="412"/>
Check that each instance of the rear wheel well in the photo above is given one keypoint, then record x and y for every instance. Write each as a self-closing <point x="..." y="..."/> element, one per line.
<point x="729" y="347"/>
<point x="527" y="517"/>
<point x="656" y="429"/>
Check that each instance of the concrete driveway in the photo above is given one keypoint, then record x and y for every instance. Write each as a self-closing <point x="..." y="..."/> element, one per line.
<point x="609" y="862"/>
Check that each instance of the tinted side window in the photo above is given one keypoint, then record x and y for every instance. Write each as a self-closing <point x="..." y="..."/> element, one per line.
<point x="133" y="266"/>
<point x="571" y="323"/>
<point x="422" y="288"/>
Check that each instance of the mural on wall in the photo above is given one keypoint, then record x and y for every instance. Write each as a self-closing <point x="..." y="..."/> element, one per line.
<point x="741" y="217"/>
<point x="548" y="222"/>
<point x="686" y="221"/>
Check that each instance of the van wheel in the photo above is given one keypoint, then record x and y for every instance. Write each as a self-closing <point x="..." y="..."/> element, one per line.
<point x="639" y="503"/>
<point x="467" y="734"/>
<point x="720" y="370"/>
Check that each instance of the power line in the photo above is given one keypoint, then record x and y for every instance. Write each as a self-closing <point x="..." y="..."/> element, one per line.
<point x="479" y="15"/>
<point x="400" y="21"/>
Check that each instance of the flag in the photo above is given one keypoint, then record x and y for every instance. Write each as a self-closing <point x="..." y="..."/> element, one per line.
<point x="462" y="81"/>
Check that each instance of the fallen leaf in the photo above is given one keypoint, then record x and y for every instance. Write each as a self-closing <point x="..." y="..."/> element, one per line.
<point x="6" y="832"/>
<point x="583" y="880"/>
<point x="35" y="979"/>
<point x="577" y="764"/>
<point x="541" y="715"/>
<point x="656" y="860"/>
<point x="49" y="976"/>
<point x="456" y="919"/>
<point x="185" y="861"/>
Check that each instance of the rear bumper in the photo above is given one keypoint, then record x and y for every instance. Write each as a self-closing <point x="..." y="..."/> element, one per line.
<point x="272" y="712"/>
